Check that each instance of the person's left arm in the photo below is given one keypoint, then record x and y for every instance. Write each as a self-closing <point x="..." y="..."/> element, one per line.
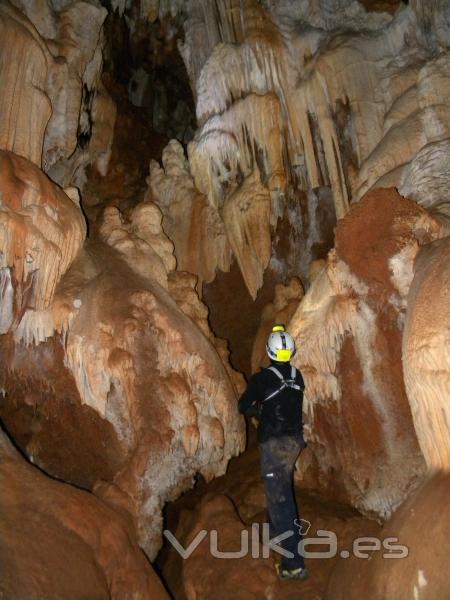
<point x="301" y="382"/>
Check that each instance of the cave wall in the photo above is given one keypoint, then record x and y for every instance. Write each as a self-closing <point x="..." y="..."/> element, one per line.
<point x="107" y="382"/>
<point x="54" y="108"/>
<point x="113" y="378"/>
<point x="304" y="100"/>
<point x="349" y="330"/>
<point x="60" y="542"/>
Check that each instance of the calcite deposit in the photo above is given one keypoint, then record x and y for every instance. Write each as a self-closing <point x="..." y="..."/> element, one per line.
<point x="109" y="385"/>
<point x="193" y="225"/>
<point x="41" y="231"/>
<point x="314" y="191"/>
<point x="349" y="329"/>
<point x="293" y="98"/>
<point x="54" y="108"/>
<point x="426" y="352"/>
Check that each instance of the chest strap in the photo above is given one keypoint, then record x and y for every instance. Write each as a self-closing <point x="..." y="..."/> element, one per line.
<point x="285" y="383"/>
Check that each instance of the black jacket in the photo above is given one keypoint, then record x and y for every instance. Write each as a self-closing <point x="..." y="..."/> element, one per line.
<point x="280" y="415"/>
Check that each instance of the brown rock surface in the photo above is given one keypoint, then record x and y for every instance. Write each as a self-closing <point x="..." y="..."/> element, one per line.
<point x="422" y="525"/>
<point x="59" y="542"/>
<point x="147" y="392"/>
<point x="348" y="330"/>
<point x="230" y="505"/>
<point x="115" y="388"/>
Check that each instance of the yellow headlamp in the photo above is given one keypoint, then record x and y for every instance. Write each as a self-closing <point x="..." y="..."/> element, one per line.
<point x="284" y="355"/>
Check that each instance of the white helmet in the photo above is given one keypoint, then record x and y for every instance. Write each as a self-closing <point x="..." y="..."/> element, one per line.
<point x="280" y="344"/>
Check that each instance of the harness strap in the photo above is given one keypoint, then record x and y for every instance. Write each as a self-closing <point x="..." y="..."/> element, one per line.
<point x="284" y="382"/>
<point x="277" y="372"/>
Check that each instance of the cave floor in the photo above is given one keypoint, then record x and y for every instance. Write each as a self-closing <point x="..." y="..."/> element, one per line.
<point x="243" y="486"/>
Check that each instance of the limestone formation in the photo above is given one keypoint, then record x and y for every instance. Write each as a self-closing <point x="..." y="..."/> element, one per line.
<point x="309" y="113"/>
<point x="348" y="329"/>
<point x="422" y="523"/>
<point x="141" y="240"/>
<point x="194" y="226"/>
<point x="54" y="109"/>
<point x="24" y="106"/>
<point x="59" y="542"/>
<point x="412" y="556"/>
<point x="101" y="356"/>
<point x="426" y="359"/>
<point x="41" y="232"/>
<point x="344" y="127"/>
<point x="285" y="97"/>
<point x="182" y="288"/>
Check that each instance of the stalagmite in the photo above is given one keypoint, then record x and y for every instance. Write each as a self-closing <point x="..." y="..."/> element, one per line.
<point x="193" y="225"/>
<point x="141" y="240"/>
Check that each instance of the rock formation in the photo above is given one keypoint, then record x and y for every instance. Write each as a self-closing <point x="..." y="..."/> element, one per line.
<point x="311" y="115"/>
<point x="349" y="332"/>
<point x="60" y="542"/>
<point x="426" y="353"/>
<point x="422" y="522"/>
<point x="114" y="362"/>
<point x="100" y="355"/>
<point x="287" y="101"/>
<point x="54" y="109"/>
<point x="194" y="226"/>
<point x="42" y="230"/>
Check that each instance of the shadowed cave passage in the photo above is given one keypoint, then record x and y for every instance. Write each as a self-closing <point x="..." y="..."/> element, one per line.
<point x="175" y="178"/>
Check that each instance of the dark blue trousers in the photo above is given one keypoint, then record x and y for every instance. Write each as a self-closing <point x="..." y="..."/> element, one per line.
<point x="278" y="456"/>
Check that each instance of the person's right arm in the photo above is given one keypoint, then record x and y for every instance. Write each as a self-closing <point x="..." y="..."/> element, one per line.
<point x="248" y="403"/>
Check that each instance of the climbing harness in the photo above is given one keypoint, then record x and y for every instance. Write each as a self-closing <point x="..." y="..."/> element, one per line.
<point x="285" y="383"/>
